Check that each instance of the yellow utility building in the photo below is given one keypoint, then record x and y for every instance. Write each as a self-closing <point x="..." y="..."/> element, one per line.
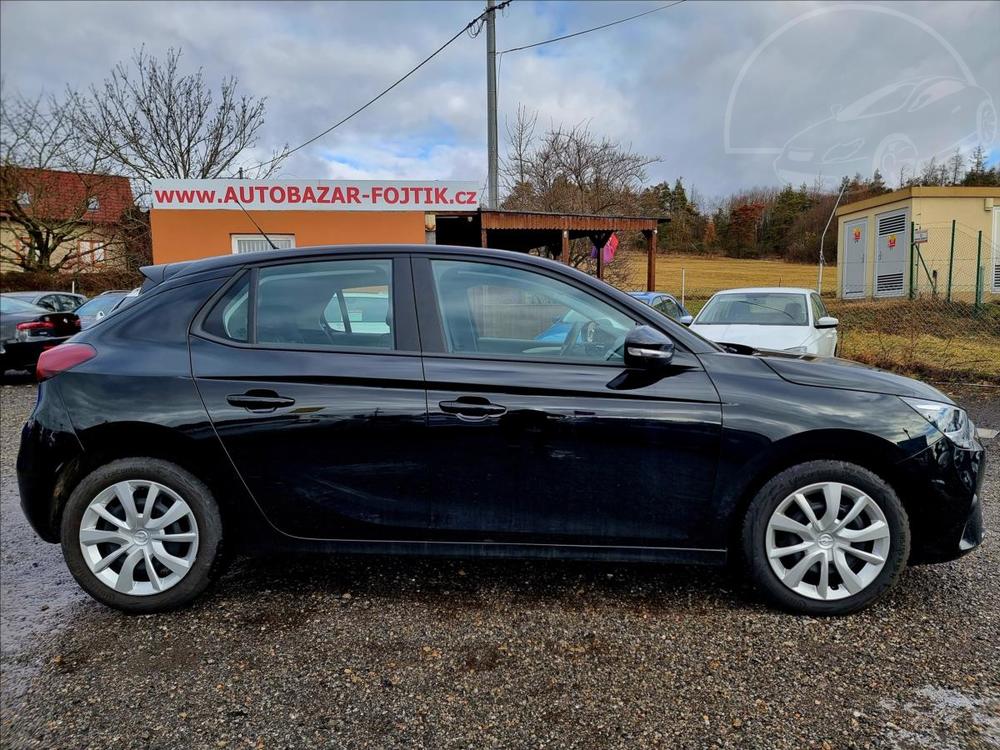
<point x="940" y="241"/>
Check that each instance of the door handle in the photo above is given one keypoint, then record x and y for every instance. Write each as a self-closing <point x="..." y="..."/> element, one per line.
<point x="474" y="407"/>
<point x="259" y="400"/>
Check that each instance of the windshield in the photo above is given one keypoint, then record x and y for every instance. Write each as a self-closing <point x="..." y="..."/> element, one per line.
<point x="12" y="305"/>
<point x="755" y="309"/>
<point x="102" y="304"/>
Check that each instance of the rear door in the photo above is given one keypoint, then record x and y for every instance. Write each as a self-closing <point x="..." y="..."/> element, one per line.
<point x="311" y="374"/>
<point x="553" y="441"/>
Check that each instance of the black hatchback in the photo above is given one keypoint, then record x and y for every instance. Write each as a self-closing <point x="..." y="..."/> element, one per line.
<point x="411" y="400"/>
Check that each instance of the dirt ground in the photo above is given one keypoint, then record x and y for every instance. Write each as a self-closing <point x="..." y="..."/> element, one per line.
<point x="374" y="652"/>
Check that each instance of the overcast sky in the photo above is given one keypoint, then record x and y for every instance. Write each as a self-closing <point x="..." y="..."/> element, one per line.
<point x="905" y="78"/>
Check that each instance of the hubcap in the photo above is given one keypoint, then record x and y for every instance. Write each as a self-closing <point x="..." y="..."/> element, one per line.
<point x="139" y="537"/>
<point x="827" y="541"/>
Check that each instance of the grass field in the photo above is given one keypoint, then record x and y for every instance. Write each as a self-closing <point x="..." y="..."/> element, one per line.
<point x="705" y="275"/>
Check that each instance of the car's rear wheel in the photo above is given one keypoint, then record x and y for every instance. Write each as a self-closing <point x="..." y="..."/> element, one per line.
<point x="825" y="538"/>
<point x="142" y="535"/>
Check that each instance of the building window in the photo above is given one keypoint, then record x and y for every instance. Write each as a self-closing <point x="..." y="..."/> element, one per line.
<point x="91" y="251"/>
<point x="24" y="198"/>
<point x="255" y="243"/>
<point x="93" y="204"/>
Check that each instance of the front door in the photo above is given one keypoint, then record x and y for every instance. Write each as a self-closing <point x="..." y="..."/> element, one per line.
<point x="854" y="258"/>
<point x="540" y="434"/>
<point x="311" y="375"/>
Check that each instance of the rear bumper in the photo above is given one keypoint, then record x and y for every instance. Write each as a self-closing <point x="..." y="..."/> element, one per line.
<point x="942" y="492"/>
<point x="24" y="354"/>
<point x="49" y="453"/>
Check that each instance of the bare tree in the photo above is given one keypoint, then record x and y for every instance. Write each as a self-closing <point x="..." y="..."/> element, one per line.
<point x="151" y="120"/>
<point x="570" y="169"/>
<point x="52" y="220"/>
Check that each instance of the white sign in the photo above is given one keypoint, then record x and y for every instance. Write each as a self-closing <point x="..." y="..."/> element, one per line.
<point x="315" y="195"/>
<point x="920" y="236"/>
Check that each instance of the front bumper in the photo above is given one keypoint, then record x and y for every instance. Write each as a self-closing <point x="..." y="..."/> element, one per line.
<point x="941" y="488"/>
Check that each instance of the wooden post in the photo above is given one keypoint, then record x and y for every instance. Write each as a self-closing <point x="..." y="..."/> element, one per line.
<point x="565" y="247"/>
<point x="483" y="238"/>
<point x="650" y="235"/>
<point x="600" y="241"/>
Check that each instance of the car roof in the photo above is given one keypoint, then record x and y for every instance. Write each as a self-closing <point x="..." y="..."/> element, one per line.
<point x="765" y="289"/>
<point x="160" y="273"/>
<point x="35" y="295"/>
<point x="644" y="295"/>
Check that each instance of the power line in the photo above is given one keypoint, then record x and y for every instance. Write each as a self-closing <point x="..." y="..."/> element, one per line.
<point x="595" y="28"/>
<point x="385" y="91"/>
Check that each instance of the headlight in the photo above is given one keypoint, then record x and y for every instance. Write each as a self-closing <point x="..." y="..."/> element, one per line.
<point x="949" y="419"/>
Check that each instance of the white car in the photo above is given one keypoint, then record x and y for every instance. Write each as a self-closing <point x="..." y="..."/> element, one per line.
<point x="775" y="318"/>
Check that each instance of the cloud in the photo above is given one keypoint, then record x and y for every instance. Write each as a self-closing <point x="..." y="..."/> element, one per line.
<point x="660" y="83"/>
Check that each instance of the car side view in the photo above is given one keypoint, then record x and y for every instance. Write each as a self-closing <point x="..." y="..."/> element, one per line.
<point x="400" y="399"/>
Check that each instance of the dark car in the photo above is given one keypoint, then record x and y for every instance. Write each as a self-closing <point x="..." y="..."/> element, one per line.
<point x="95" y="309"/>
<point x="251" y="402"/>
<point x="27" y="330"/>
<point x="53" y="301"/>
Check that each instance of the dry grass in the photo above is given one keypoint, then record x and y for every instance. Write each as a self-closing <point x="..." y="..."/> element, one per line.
<point x="929" y="338"/>
<point x="707" y="275"/>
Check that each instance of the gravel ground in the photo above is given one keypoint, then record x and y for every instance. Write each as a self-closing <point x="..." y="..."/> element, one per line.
<point x="370" y="652"/>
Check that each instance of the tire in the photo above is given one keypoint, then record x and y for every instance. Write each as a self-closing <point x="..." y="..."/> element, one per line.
<point x="882" y="516"/>
<point x="199" y="525"/>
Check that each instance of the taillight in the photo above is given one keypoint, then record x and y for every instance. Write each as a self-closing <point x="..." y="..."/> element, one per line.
<point x="36" y="325"/>
<point x="61" y="358"/>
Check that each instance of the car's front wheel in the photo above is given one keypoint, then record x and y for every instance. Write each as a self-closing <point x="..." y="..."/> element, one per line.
<point x="142" y="535"/>
<point x="825" y="538"/>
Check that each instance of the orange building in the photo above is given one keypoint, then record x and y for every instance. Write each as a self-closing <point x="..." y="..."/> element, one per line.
<point x="192" y="219"/>
<point x="199" y="218"/>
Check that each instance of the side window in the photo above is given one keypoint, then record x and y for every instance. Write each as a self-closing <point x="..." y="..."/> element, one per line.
<point x="228" y="319"/>
<point x="668" y="307"/>
<point x="498" y="310"/>
<point x="819" y="309"/>
<point x="49" y="303"/>
<point x="327" y="303"/>
<point x="68" y="303"/>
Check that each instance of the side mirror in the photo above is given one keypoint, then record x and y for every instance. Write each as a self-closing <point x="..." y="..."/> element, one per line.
<point x="647" y="348"/>
<point x="827" y="322"/>
<point x="686" y="320"/>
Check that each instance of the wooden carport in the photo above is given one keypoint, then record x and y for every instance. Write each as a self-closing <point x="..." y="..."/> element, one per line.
<point x="527" y="230"/>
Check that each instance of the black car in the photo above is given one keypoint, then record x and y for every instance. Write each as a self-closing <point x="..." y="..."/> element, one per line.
<point x="27" y="330"/>
<point x="397" y="400"/>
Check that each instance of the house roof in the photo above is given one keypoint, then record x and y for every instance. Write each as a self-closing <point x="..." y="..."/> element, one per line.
<point x="67" y="195"/>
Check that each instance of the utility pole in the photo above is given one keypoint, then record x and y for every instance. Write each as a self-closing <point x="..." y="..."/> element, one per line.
<point x="491" y="104"/>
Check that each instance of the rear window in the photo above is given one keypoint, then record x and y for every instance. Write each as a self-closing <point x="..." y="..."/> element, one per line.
<point x="102" y="304"/>
<point x="229" y="318"/>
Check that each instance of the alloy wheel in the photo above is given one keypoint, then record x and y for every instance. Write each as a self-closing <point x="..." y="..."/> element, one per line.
<point x="827" y="541"/>
<point x="139" y="537"/>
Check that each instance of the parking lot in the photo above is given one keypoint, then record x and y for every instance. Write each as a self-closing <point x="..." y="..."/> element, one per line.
<point x="374" y="652"/>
